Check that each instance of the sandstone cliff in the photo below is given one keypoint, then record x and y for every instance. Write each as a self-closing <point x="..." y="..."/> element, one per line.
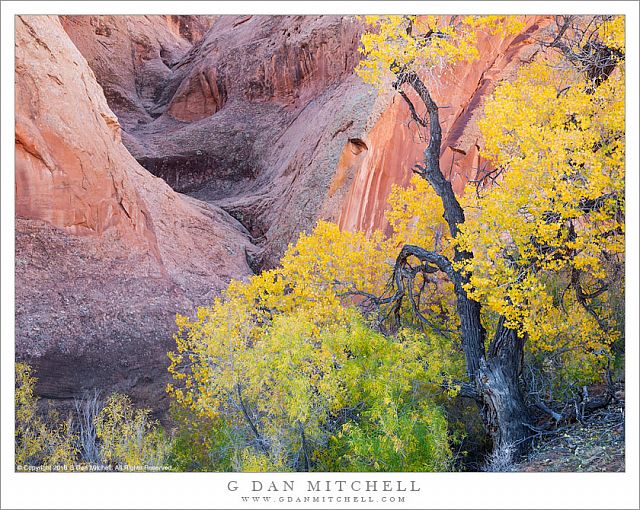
<point x="253" y="118"/>
<point x="106" y="253"/>
<point x="265" y="118"/>
<point x="395" y="144"/>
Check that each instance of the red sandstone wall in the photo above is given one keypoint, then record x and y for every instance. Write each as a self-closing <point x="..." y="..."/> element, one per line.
<point x="394" y="146"/>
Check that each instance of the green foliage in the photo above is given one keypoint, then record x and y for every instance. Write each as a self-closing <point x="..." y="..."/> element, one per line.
<point x="303" y="368"/>
<point x="128" y="436"/>
<point x="38" y="441"/>
<point x="285" y="360"/>
<point x="410" y="437"/>
<point x="199" y="443"/>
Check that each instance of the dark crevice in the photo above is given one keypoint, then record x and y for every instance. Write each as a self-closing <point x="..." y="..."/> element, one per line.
<point x="251" y="221"/>
<point x="358" y="145"/>
<point x="190" y="172"/>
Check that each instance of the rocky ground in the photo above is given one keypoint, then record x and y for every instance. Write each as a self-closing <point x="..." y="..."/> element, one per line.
<point x="595" y="444"/>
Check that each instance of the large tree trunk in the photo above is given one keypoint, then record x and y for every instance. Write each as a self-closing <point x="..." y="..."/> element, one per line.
<point x="471" y="328"/>
<point x="497" y="383"/>
<point x="504" y="411"/>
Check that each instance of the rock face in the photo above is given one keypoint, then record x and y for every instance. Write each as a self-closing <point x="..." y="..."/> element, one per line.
<point x="265" y="118"/>
<point x="395" y="145"/>
<point x="134" y="55"/>
<point x="100" y="243"/>
<point x="158" y="157"/>
<point x="253" y="118"/>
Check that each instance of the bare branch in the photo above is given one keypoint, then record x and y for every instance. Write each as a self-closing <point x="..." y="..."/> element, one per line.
<point x="545" y="408"/>
<point x="414" y="114"/>
<point x="260" y="440"/>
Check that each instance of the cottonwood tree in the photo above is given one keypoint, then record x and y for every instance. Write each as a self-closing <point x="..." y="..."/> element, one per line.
<point x="294" y="378"/>
<point x="338" y="358"/>
<point x="549" y="211"/>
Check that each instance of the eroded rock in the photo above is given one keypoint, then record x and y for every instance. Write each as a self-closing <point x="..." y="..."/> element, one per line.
<point x="253" y="118"/>
<point x="106" y="253"/>
<point x="395" y="144"/>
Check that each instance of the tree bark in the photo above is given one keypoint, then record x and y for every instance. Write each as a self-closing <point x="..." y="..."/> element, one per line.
<point x="497" y="382"/>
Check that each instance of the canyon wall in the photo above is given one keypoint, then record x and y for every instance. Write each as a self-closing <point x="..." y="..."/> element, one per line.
<point x="265" y="118"/>
<point x="106" y="253"/>
<point x="253" y="118"/>
<point x="158" y="157"/>
<point x="395" y="143"/>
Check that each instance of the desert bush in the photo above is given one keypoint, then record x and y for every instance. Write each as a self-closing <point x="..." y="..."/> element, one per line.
<point x="39" y="441"/>
<point x="299" y="389"/>
<point x="288" y="366"/>
<point x="199" y="443"/>
<point x="128" y="436"/>
<point x="110" y="433"/>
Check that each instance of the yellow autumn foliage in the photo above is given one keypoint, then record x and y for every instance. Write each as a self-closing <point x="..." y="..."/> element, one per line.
<point x="397" y="43"/>
<point x="558" y="206"/>
<point x="286" y="354"/>
<point x="555" y="213"/>
<point x="129" y="437"/>
<point x="124" y="436"/>
<point x="38" y="441"/>
<point x="289" y="362"/>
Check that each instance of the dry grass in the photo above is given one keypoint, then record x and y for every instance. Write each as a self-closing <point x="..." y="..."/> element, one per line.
<point x="500" y="460"/>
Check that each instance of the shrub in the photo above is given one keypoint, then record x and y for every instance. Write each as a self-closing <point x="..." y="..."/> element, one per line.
<point x="128" y="436"/>
<point x="38" y="442"/>
<point x="113" y="433"/>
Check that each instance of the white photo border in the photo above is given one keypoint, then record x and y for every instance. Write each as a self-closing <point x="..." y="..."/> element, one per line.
<point x="215" y="490"/>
